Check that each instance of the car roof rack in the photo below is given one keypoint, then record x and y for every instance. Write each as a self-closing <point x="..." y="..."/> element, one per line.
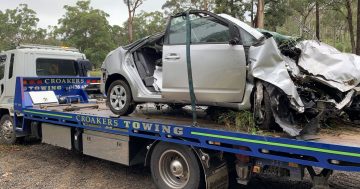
<point x="49" y="47"/>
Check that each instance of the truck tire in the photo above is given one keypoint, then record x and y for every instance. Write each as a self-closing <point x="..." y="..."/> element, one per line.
<point x="119" y="98"/>
<point x="175" y="166"/>
<point x="263" y="115"/>
<point x="7" y="132"/>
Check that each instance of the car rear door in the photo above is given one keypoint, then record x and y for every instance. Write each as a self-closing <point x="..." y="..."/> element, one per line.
<point x="219" y="68"/>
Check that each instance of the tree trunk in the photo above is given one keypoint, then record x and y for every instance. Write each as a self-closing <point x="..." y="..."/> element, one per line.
<point x="334" y="37"/>
<point x="317" y="20"/>
<point x="130" y="29"/>
<point x="252" y="13"/>
<point x="260" y="14"/>
<point x="206" y="5"/>
<point x="130" y="23"/>
<point x="358" y="30"/>
<point x="350" y="24"/>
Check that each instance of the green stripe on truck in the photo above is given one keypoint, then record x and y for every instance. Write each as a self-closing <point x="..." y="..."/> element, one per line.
<point x="278" y="144"/>
<point x="48" y="114"/>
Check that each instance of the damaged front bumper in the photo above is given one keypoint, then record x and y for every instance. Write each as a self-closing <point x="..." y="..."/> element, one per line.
<point x="308" y="85"/>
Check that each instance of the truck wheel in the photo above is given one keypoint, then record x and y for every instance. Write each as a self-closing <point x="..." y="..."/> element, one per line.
<point x="263" y="115"/>
<point x="119" y="98"/>
<point x="7" y="132"/>
<point x="175" y="166"/>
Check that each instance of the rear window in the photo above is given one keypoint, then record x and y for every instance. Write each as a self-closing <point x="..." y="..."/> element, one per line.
<point x="56" y="67"/>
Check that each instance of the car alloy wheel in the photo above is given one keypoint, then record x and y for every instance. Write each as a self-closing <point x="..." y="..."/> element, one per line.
<point x="118" y="97"/>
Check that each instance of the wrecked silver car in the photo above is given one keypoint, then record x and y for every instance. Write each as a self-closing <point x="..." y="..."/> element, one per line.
<point x="295" y="86"/>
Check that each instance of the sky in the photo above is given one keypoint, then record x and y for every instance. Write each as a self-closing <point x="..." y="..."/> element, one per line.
<point x="49" y="11"/>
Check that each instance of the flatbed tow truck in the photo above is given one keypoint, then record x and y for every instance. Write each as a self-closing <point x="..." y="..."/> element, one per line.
<point x="179" y="154"/>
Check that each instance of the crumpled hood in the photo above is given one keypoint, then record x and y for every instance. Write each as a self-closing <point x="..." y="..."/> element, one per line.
<point x="330" y="66"/>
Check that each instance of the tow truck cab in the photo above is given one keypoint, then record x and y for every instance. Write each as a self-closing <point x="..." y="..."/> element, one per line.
<point x="35" y="61"/>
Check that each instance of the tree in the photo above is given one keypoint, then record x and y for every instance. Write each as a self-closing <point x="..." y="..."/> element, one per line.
<point x="19" y="25"/>
<point x="338" y="6"/>
<point x="358" y="30"/>
<point x="304" y="8"/>
<point x="350" y="24"/>
<point x="149" y="23"/>
<point x="119" y="35"/>
<point x="260" y="16"/>
<point x="77" y="28"/>
<point x="132" y="5"/>
<point x="252" y="13"/>
<point x="317" y="19"/>
<point x="144" y="24"/>
<point x="235" y="8"/>
<point x="175" y="6"/>
<point x="276" y="12"/>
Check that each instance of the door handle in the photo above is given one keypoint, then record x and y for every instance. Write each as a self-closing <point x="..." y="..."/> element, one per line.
<point x="172" y="57"/>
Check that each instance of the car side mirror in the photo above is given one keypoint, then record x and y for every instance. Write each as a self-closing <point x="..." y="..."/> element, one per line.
<point x="234" y="41"/>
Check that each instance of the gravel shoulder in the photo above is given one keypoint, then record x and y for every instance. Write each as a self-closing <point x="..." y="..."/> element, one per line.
<point x="45" y="166"/>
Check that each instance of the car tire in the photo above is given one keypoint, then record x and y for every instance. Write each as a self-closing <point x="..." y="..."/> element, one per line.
<point x="7" y="132"/>
<point x="119" y="98"/>
<point x="175" y="166"/>
<point x="267" y="120"/>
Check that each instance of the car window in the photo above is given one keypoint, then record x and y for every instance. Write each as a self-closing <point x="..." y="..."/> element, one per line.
<point x="11" y="68"/>
<point x="208" y="30"/>
<point x="204" y="29"/>
<point x="246" y="38"/>
<point x="2" y="70"/>
<point x="177" y="32"/>
<point x="3" y="58"/>
<point x="56" y="67"/>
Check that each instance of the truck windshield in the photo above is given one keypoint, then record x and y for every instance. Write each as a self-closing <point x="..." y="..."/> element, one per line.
<point x="56" y="67"/>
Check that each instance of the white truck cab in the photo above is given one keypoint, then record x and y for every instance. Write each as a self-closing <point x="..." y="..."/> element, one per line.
<point x="32" y="61"/>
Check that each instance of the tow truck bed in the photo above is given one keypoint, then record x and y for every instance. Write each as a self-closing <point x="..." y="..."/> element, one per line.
<point x="341" y="134"/>
<point x="333" y="149"/>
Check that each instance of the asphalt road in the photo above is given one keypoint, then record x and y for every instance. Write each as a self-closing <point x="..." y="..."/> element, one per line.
<point x="45" y="166"/>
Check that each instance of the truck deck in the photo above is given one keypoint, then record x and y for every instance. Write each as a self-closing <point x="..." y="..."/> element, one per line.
<point x="331" y="149"/>
<point x="341" y="134"/>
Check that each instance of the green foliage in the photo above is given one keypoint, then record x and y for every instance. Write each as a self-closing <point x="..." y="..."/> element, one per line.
<point x="235" y="8"/>
<point x="95" y="73"/>
<point x="276" y="12"/>
<point x="239" y="121"/>
<point x="233" y="120"/>
<point x="19" y="25"/>
<point x="87" y="29"/>
<point x="176" y="6"/>
<point x="146" y="24"/>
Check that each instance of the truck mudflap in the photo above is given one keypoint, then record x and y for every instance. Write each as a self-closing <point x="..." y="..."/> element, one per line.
<point x="215" y="169"/>
<point x="218" y="178"/>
